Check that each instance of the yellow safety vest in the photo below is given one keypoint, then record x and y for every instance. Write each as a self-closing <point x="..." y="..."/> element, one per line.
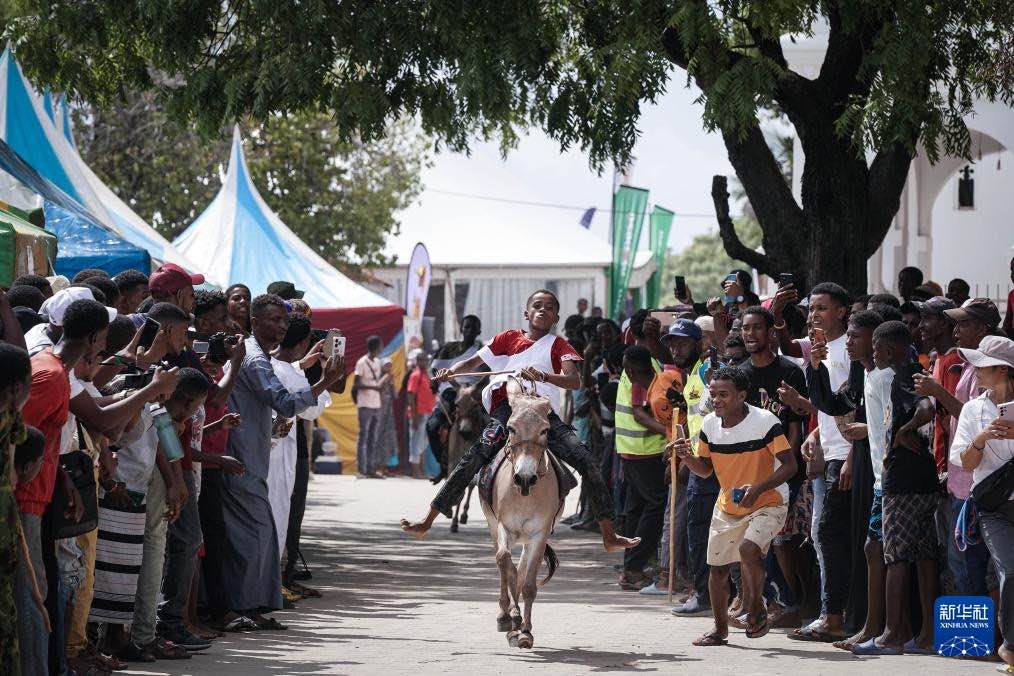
<point x="633" y="438"/>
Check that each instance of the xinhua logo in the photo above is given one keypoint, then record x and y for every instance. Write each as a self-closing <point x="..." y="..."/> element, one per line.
<point x="963" y="626"/>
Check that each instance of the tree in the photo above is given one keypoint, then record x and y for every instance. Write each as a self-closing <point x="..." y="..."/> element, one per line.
<point x="705" y="264"/>
<point x="898" y="75"/>
<point x="341" y="197"/>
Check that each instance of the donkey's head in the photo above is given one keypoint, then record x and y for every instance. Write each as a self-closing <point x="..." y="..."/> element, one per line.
<point x="469" y="411"/>
<point x="529" y="436"/>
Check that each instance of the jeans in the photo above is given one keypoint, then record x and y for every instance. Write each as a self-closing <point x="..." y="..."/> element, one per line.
<point x="646" y="504"/>
<point x="700" y="506"/>
<point x="563" y="442"/>
<point x="998" y="533"/>
<point x="77" y="639"/>
<point x="149" y="581"/>
<point x="213" y="527"/>
<point x="967" y="567"/>
<point x="819" y="493"/>
<point x="369" y="429"/>
<point x="417" y="441"/>
<point x="835" y="540"/>
<point x="33" y="639"/>
<point x="182" y="544"/>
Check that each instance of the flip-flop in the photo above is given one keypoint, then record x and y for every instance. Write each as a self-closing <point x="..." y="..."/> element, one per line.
<point x="813" y="634"/>
<point x="711" y="640"/>
<point x="871" y="648"/>
<point x="912" y="648"/>
<point x="763" y="627"/>
<point x="1006" y="668"/>
<point x="270" y="624"/>
<point x="238" y="624"/>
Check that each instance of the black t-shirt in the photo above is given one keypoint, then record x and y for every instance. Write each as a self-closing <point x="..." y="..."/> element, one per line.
<point x="907" y="471"/>
<point x="763" y="393"/>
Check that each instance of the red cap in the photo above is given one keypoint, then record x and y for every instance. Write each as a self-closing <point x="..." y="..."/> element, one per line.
<point x="170" y="278"/>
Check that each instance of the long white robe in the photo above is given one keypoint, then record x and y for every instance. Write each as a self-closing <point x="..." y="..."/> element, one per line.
<point x="282" y="463"/>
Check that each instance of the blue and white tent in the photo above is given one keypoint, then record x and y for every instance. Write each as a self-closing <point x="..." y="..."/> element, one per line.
<point x="239" y="238"/>
<point x="28" y="124"/>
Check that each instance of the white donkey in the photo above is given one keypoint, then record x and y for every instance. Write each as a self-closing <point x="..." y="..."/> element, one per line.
<point x="523" y="508"/>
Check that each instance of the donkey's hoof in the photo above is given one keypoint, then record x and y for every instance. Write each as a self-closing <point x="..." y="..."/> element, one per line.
<point x="504" y="624"/>
<point x="512" y="639"/>
<point x="463" y="519"/>
<point x="454" y="526"/>
<point x="526" y="640"/>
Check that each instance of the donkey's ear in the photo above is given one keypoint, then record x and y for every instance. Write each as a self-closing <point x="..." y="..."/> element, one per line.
<point x="514" y="390"/>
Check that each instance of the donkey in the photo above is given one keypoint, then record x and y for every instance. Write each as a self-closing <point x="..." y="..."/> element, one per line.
<point x="469" y="419"/>
<point x="524" y="506"/>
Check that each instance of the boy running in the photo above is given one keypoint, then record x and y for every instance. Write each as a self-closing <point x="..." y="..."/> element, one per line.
<point x="551" y="363"/>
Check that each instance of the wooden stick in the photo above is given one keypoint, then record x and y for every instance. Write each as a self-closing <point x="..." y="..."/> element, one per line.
<point x="673" y="486"/>
<point x="478" y="374"/>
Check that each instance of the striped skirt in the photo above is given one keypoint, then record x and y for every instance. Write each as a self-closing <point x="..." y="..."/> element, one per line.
<point x="118" y="556"/>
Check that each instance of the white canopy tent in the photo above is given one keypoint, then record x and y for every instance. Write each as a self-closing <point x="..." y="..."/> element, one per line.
<point x="490" y="273"/>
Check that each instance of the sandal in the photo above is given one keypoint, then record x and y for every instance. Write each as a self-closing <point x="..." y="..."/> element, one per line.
<point x="270" y="624"/>
<point x="759" y="628"/>
<point x="815" y="633"/>
<point x="305" y="592"/>
<point x="711" y="640"/>
<point x="167" y="650"/>
<point x="135" y="653"/>
<point x="238" y="624"/>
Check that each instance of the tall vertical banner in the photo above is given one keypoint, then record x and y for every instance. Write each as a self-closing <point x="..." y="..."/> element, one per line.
<point x="417" y="287"/>
<point x="659" y="226"/>
<point x="629" y="206"/>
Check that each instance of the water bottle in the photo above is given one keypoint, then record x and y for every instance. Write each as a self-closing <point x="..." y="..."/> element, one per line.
<point x="166" y="432"/>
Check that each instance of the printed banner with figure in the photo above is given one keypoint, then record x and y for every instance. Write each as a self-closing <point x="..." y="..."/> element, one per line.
<point x="417" y="286"/>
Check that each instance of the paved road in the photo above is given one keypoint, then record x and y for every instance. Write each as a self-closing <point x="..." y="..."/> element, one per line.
<point x="393" y="605"/>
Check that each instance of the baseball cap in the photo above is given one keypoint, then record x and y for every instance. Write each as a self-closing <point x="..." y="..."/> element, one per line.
<point x="938" y="305"/>
<point x="706" y="322"/>
<point x="55" y="306"/>
<point x="993" y="351"/>
<point x="170" y="278"/>
<point x="683" y="328"/>
<point x="285" y="290"/>
<point x="982" y="309"/>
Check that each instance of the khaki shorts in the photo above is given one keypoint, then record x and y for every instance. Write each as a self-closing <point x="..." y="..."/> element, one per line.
<point x="728" y="532"/>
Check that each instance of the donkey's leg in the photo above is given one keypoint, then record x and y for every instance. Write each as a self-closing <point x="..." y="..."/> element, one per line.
<point x="531" y="559"/>
<point x="468" y="500"/>
<point x="454" y="519"/>
<point x="507" y="575"/>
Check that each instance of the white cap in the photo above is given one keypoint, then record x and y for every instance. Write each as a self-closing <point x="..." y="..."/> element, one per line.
<point x="55" y="307"/>
<point x="706" y="322"/>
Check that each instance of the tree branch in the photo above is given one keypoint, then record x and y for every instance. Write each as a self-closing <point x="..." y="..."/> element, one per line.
<point x="846" y="54"/>
<point x="727" y="230"/>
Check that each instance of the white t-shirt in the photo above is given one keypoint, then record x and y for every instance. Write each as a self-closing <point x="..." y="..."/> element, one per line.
<point x="37" y="339"/>
<point x="68" y="434"/>
<point x="835" y="446"/>
<point x="877" y="393"/>
<point x="976" y="415"/>
<point x="369" y="371"/>
<point x="136" y="460"/>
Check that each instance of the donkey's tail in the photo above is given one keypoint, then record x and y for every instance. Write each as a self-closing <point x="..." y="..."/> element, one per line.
<point x="552" y="562"/>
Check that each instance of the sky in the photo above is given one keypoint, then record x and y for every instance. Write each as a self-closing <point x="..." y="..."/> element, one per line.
<point x="675" y="160"/>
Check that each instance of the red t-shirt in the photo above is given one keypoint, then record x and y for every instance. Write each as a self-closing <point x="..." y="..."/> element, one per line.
<point x="513" y="341"/>
<point x="419" y="385"/>
<point x="948" y="377"/>
<point x="213" y="443"/>
<point x="47" y="409"/>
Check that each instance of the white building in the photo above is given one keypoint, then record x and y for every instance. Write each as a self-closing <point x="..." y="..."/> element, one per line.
<point x="930" y="230"/>
<point x="490" y="272"/>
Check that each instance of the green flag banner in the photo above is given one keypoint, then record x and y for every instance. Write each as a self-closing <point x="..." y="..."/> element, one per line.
<point x="659" y="225"/>
<point x="629" y="205"/>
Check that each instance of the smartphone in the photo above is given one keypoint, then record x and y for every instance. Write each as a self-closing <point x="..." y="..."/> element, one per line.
<point x="339" y="346"/>
<point x="201" y="347"/>
<point x="680" y="286"/>
<point x="819" y="336"/>
<point x="785" y="279"/>
<point x="737" y="495"/>
<point x="713" y="356"/>
<point x="331" y="343"/>
<point x="148" y="332"/>
<point x="1007" y="411"/>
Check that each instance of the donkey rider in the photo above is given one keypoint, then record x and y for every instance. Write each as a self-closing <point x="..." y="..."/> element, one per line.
<point x="550" y="362"/>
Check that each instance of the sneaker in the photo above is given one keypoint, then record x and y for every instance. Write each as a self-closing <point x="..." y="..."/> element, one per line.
<point x="692" y="608"/>
<point x="185" y="640"/>
<point x="654" y="590"/>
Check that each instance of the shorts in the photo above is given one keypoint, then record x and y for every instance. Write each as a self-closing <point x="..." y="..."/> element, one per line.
<point x="728" y="532"/>
<point x="875" y="531"/>
<point x="910" y="532"/>
<point x="800" y="513"/>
